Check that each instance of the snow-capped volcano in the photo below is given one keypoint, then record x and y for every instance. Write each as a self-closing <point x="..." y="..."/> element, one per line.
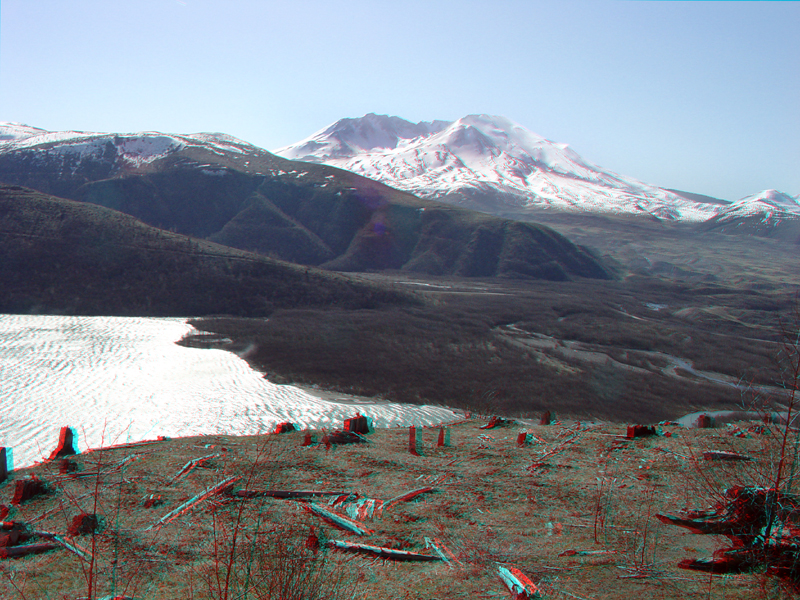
<point x="485" y="160"/>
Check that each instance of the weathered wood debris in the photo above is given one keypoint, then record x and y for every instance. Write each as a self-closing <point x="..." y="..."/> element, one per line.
<point x="518" y="583"/>
<point x="723" y="455"/>
<point x="78" y="551"/>
<point x="191" y="465"/>
<point x="26" y="549"/>
<point x="379" y="551"/>
<point x="498" y="422"/>
<point x="443" y="551"/>
<point x="356" y="507"/>
<point x="290" y="494"/>
<point x="762" y="523"/>
<point x="13" y="533"/>
<point x="342" y="437"/>
<point x="218" y="488"/>
<point x="406" y="496"/>
<point x="338" y="520"/>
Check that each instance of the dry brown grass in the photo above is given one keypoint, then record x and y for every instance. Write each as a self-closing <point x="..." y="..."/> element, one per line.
<point x="581" y="488"/>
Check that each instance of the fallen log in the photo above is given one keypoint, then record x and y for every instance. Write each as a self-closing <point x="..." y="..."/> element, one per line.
<point x="17" y="551"/>
<point x="337" y="520"/>
<point x="443" y="551"/>
<point x="342" y="437"/>
<point x="406" y="496"/>
<point x="283" y="493"/>
<point x="13" y="533"/>
<point x="191" y="465"/>
<point x="518" y="583"/>
<point x="219" y="488"/>
<point x="723" y="455"/>
<point x="586" y="552"/>
<point x="77" y="550"/>
<point x="762" y="523"/>
<point x="379" y="551"/>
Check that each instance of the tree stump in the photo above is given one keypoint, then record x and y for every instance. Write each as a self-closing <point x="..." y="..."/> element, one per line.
<point x="284" y="427"/>
<point x="67" y="466"/>
<point x="25" y="489"/>
<point x="704" y="422"/>
<point x="3" y="465"/>
<point x="412" y="441"/>
<point x="66" y="444"/>
<point x="358" y="424"/>
<point x="640" y="431"/>
<point x="84" y="524"/>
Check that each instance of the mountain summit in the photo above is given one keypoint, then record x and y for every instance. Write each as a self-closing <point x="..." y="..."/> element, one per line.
<point x="486" y="162"/>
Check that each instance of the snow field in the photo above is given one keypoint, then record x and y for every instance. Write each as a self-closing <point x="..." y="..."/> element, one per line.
<point x="124" y="379"/>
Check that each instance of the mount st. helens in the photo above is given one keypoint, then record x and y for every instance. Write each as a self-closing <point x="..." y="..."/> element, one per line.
<point x="491" y="164"/>
<point x="215" y="187"/>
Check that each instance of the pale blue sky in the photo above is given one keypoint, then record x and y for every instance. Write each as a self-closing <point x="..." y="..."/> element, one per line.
<point x="698" y="96"/>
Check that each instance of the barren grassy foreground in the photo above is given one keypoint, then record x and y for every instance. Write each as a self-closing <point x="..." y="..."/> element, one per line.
<point x="577" y="487"/>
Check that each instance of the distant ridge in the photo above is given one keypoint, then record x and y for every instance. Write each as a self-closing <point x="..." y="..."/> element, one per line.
<point x="221" y="189"/>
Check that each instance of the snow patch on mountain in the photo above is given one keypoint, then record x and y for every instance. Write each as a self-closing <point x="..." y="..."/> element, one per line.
<point x="487" y="155"/>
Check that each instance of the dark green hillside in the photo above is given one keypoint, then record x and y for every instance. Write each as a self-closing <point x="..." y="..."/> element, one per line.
<point x="305" y="213"/>
<point x="76" y="258"/>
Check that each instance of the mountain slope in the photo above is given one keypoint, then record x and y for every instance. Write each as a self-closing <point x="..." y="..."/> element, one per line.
<point x="61" y="256"/>
<point x="769" y="213"/>
<point x="221" y="189"/>
<point x="486" y="162"/>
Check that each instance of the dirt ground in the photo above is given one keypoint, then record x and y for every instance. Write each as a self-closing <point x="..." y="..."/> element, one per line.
<point x="573" y="509"/>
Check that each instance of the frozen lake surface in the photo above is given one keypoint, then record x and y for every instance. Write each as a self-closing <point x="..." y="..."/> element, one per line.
<point x="124" y="379"/>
